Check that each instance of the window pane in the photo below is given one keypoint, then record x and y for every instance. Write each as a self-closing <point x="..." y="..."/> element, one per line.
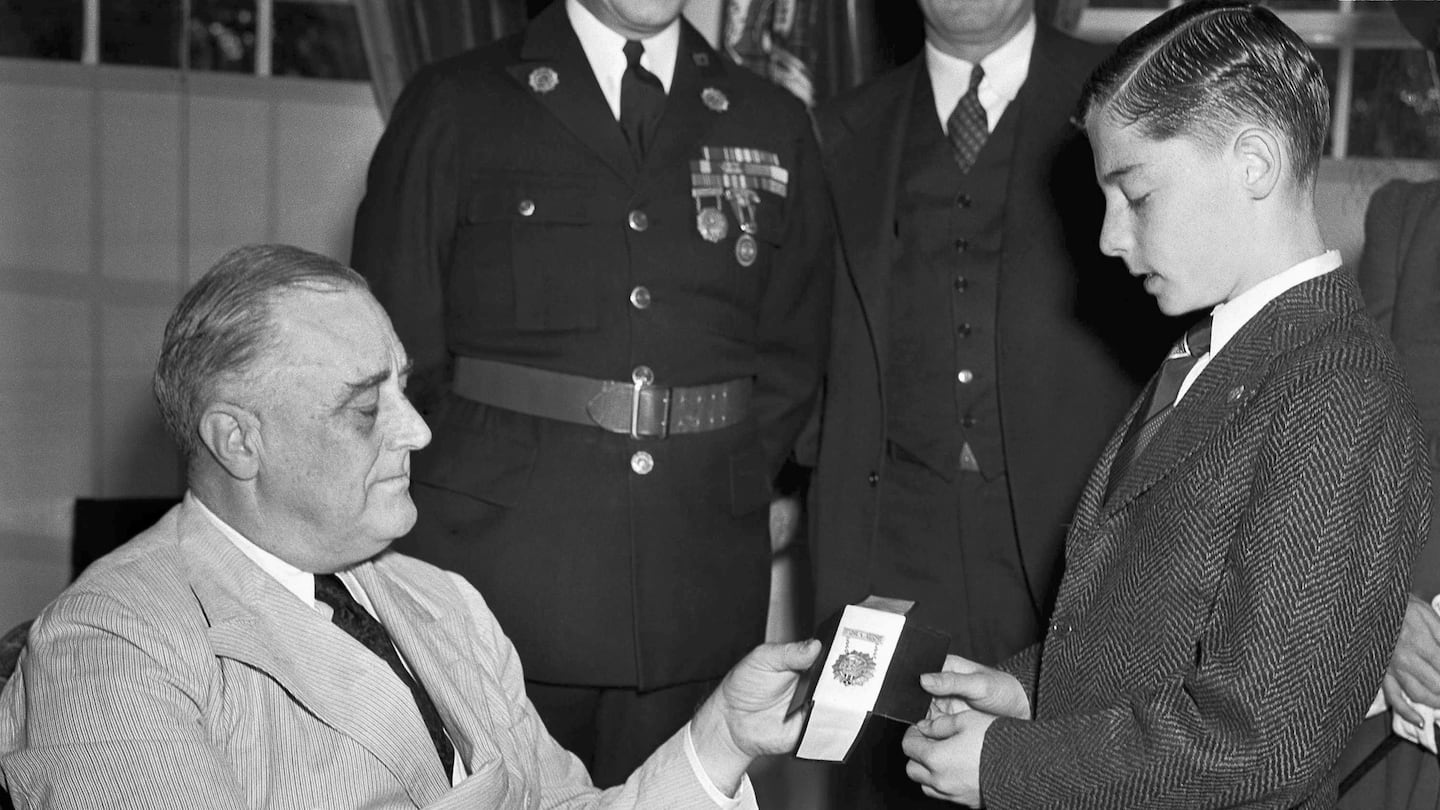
<point x="318" y="39"/>
<point x="140" y="32"/>
<point x="1396" y="107"/>
<point x="42" y="29"/>
<point x="222" y="35"/>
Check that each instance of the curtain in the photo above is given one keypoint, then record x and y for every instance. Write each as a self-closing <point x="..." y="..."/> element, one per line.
<point x="402" y="35"/>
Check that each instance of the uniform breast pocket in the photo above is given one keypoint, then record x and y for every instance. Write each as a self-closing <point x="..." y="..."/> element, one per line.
<point x="531" y="253"/>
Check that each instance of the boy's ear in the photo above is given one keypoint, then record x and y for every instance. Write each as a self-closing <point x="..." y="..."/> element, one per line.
<point x="232" y="435"/>
<point x="1259" y="156"/>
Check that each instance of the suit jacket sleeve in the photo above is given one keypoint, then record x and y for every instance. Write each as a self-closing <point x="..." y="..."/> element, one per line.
<point x="794" y="320"/>
<point x="405" y="226"/>
<point x="665" y="780"/>
<point x="108" y="708"/>
<point x="1303" y="621"/>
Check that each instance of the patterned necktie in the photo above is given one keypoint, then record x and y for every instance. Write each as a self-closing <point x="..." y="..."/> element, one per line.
<point x="1182" y="358"/>
<point x="642" y="101"/>
<point x="355" y="620"/>
<point x="967" y="127"/>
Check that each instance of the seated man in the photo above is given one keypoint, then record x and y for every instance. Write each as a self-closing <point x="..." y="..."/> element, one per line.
<point x="243" y="651"/>
<point x="1236" y="569"/>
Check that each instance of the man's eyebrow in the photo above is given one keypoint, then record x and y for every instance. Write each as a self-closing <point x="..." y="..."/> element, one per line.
<point x="355" y="389"/>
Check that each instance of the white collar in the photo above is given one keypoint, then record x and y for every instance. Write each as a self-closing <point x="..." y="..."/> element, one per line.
<point x="1006" y="69"/>
<point x="604" y="49"/>
<point x="1232" y="315"/>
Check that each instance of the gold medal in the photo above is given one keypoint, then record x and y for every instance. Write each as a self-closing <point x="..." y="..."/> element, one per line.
<point x="746" y="250"/>
<point x="712" y="224"/>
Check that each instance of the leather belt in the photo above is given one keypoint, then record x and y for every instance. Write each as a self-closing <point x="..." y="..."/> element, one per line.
<point x="638" y="407"/>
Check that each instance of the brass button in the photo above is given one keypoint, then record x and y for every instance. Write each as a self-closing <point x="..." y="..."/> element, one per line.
<point x="643" y="374"/>
<point x="526" y="207"/>
<point x="965" y="375"/>
<point x="642" y="463"/>
<point x="638" y="221"/>
<point x="640" y="298"/>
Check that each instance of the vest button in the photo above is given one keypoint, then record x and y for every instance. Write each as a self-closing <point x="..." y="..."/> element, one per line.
<point x="642" y="463"/>
<point x="961" y="283"/>
<point x="968" y="421"/>
<point x="964" y="329"/>
<point x="873" y="478"/>
<point x="963" y="201"/>
<point x="525" y="208"/>
<point x="962" y="245"/>
<point x="965" y="375"/>
<point x="640" y="298"/>
<point x="638" y="221"/>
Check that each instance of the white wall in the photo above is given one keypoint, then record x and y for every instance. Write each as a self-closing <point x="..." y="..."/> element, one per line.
<point x="117" y="186"/>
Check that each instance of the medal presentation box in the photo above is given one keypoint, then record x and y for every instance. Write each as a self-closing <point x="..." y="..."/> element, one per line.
<point x="871" y="665"/>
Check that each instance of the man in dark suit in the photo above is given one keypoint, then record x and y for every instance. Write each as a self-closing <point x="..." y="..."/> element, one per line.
<point x="1236" y="567"/>
<point x="982" y="348"/>
<point x="607" y="250"/>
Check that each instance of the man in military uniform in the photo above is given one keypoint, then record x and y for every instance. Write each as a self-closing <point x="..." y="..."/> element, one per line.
<point x="607" y="252"/>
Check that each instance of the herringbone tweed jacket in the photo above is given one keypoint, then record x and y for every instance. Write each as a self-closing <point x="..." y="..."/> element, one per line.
<point x="1226" y="614"/>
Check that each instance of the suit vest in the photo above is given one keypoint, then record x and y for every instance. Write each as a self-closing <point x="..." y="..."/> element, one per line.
<point x="941" y="376"/>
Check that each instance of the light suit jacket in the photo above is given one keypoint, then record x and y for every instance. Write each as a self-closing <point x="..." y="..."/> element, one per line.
<point x="1227" y="612"/>
<point x="176" y="673"/>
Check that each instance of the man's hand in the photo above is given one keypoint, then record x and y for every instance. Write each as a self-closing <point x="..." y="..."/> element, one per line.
<point x="745" y="717"/>
<point x="1415" y="665"/>
<point x="964" y="685"/>
<point x="944" y="755"/>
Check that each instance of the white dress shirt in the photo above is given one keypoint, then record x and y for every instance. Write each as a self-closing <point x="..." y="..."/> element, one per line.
<point x="605" y="50"/>
<point x="1005" y="70"/>
<point x="1231" y="316"/>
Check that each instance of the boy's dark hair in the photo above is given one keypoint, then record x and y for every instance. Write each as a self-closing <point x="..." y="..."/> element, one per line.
<point x="1208" y="66"/>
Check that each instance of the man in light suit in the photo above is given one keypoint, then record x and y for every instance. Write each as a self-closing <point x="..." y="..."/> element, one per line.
<point x="260" y="646"/>
<point x="1237" y="565"/>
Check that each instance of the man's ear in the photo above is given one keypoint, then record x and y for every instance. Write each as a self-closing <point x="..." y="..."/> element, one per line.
<point x="232" y="435"/>
<point x="1260" y="157"/>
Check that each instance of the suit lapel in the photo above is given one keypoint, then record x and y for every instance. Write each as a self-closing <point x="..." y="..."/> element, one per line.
<point x="687" y="118"/>
<point x="254" y="620"/>
<point x="575" y="99"/>
<point x="864" y="168"/>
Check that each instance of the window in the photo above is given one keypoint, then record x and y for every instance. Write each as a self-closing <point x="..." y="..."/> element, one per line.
<point x="42" y="29"/>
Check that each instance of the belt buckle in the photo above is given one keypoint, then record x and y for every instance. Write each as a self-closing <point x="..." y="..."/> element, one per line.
<point x="643" y="384"/>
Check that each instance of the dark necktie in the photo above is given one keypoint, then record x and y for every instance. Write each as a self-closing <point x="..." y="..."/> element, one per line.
<point x="967" y="128"/>
<point x="355" y="620"/>
<point x="1183" y="356"/>
<point x="642" y="101"/>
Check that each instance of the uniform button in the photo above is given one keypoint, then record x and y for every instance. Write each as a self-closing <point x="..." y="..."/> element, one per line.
<point x="964" y="329"/>
<point x="965" y="375"/>
<point x="968" y="421"/>
<point x="643" y="374"/>
<point x="526" y="207"/>
<point x="640" y="298"/>
<point x="873" y="478"/>
<point x="962" y="245"/>
<point x="638" y="221"/>
<point x="961" y="283"/>
<point x="642" y="463"/>
<point x="963" y="201"/>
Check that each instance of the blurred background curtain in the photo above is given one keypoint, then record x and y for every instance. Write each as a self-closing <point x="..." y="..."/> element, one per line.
<point x="402" y="35"/>
<point x="817" y="49"/>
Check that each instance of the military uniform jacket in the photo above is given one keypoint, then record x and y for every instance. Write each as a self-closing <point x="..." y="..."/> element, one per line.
<point x="1076" y="336"/>
<point x="505" y="218"/>
<point x="1227" y="613"/>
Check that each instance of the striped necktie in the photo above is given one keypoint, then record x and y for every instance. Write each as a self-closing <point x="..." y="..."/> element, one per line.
<point x="967" y="127"/>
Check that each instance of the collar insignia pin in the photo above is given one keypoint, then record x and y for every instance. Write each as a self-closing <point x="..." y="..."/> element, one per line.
<point x="715" y="100"/>
<point x="544" y="79"/>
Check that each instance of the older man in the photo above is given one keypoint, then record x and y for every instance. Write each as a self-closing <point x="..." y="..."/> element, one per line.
<point x="261" y="647"/>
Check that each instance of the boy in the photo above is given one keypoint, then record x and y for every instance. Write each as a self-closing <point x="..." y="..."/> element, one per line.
<point x="1236" y="567"/>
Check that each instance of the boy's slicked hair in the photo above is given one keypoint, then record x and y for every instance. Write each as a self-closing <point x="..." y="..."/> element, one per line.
<point x="1207" y="67"/>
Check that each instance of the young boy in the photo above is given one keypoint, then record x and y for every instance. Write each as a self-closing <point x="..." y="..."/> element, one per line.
<point x="1236" y="567"/>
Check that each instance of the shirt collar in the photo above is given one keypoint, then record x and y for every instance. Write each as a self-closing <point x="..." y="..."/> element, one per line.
<point x="300" y="583"/>
<point x="1006" y="69"/>
<point x="604" y="48"/>
<point x="1232" y="315"/>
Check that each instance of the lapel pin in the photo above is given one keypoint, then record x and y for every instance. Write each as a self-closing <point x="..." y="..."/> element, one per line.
<point x="544" y="79"/>
<point x="715" y="100"/>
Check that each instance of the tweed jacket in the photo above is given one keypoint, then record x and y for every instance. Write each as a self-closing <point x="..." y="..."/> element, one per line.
<point x="177" y="673"/>
<point x="1076" y="337"/>
<point x="1227" y="612"/>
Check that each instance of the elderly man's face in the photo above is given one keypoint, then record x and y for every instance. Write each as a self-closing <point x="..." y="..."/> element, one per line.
<point x="336" y="430"/>
<point x="635" y="19"/>
<point x="971" y="29"/>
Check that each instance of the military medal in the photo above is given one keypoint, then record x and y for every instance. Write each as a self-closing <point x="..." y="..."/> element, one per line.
<point x="743" y="202"/>
<point x="715" y="100"/>
<point x="543" y="80"/>
<point x="710" y="221"/>
<point x="854" y="667"/>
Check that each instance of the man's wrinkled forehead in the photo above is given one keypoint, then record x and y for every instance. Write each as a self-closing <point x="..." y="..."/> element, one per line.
<point x="343" y="336"/>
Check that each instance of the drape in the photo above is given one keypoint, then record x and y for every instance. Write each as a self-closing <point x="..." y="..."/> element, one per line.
<point x="402" y="35"/>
